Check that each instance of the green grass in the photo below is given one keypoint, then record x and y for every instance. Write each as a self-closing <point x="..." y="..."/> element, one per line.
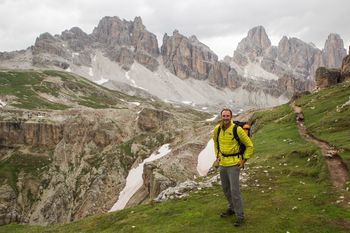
<point x="26" y="86"/>
<point x="31" y="165"/>
<point x="288" y="190"/>
<point x="23" y="85"/>
<point x="326" y="119"/>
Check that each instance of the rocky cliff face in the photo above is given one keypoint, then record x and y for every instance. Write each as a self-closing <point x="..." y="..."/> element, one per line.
<point x="126" y="41"/>
<point x="345" y="67"/>
<point x="62" y="165"/>
<point x="252" y="47"/>
<point x="293" y="61"/>
<point x="326" y="77"/>
<point x="122" y="41"/>
<point x="117" y="52"/>
<point x="334" y="51"/>
<point x="188" y="57"/>
<point x="80" y="161"/>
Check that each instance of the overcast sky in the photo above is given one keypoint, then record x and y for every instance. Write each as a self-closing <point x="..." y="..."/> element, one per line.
<point x="220" y="24"/>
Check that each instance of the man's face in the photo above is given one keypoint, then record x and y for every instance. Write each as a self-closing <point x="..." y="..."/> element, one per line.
<point x="226" y="117"/>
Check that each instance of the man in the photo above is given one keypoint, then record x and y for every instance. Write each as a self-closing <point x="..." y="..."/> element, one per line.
<point x="231" y="162"/>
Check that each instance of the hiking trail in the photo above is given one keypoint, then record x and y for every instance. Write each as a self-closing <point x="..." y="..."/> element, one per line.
<point x="336" y="167"/>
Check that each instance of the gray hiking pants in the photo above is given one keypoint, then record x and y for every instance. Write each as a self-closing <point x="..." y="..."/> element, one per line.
<point x="230" y="185"/>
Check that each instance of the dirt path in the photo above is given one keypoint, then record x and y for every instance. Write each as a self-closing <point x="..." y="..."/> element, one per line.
<point x="337" y="169"/>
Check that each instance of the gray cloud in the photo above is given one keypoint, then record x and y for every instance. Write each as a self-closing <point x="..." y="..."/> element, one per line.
<point x="221" y="24"/>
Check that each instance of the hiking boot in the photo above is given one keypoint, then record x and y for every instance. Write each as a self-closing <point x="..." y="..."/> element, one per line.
<point x="238" y="222"/>
<point x="227" y="213"/>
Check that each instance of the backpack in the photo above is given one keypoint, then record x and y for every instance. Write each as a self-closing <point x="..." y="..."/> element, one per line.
<point x="246" y="127"/>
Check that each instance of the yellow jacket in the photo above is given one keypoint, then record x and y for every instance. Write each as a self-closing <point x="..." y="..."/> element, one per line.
<point x="228" y="145"/>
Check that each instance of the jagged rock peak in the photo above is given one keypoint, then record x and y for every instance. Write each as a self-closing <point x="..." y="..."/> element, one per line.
<point x="46" y="36"/>
<point x="252" y="46"/>
<point x="112" y="30"/>
<point x="138" y="23"/>
<point x="333" y="51"/>
<point x="259" y="37"/>
<point x="125" y="41"/>
<point x="194" y="41"/>
<point x="74" y="33"/>
<point x="115" y="32"/>
<point x="176" y="33"/>
<point x="188" y="57"/>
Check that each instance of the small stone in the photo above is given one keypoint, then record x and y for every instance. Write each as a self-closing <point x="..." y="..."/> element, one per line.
<point x="294" y="208"/>
<point x="299" y="199"/>
<point x="133" y="226"/>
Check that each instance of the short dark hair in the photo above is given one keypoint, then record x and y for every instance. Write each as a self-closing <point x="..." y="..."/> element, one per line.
<point x="226" y="109"/>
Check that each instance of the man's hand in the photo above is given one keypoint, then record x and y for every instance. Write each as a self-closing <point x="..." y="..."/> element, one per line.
<point x="241" y="164"/>
<point x="216" y="162"/>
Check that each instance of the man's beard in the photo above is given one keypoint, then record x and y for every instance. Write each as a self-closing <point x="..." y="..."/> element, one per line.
<point x="226" y="122"/>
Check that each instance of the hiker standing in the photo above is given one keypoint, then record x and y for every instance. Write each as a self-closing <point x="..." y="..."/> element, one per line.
<point x="227" y="150"/>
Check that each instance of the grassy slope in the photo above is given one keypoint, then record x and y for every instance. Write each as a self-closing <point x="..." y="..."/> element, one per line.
<point x="288" y="190"/>
<point x="27" y="84"/>
<point x="327" y="119"/>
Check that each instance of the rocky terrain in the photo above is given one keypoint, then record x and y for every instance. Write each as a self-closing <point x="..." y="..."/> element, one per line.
<point x="326" y="77"/>
<point x="122" y="55"/>
<point x="289" y="67"/>
<point x="67" y="145"/>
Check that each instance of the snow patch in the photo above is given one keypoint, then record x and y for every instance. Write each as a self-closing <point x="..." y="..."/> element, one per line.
<point x="206" y="158"/>
<point x="101" y="81"/>
<point x="91" y="73"/>
<point x="133" y="81"/>
<point x="75" y="55"/>
<point x="189" y="103"/>
<point x="134" y="179"/>
<point x="2" y="104"/>
<point x="213" y="118"/>
<point x="135" y="103"/>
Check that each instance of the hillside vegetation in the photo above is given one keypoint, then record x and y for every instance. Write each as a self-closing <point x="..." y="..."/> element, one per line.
<point x="50" y="89"/>
<point x="288" y="189"/>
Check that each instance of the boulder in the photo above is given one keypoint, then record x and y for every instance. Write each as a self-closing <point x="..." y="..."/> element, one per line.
<point x="327" y="77"/>
<point x="345" y="68"/>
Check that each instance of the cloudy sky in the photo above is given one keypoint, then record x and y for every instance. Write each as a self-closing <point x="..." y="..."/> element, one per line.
<point x="220" y="24"/>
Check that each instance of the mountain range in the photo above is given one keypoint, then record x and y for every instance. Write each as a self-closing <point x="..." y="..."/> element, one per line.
<point x="122" y="55"/>
<point x="67" y="142"/>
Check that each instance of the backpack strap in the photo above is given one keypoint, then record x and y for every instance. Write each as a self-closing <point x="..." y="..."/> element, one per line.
<point x="217" y="140"/>
<point x="235" y="136"/>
